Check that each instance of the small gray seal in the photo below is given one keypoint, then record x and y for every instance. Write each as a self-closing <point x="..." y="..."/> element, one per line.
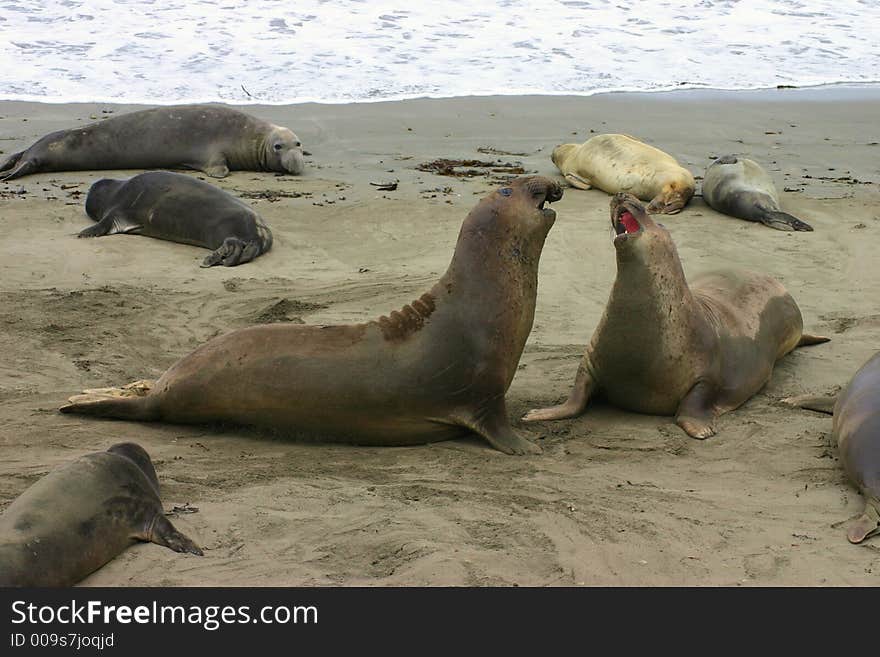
<point x="739" y="187"/>
<point x="79" y="517"/>
<point x="179" y="208"/>
<point x="210" y="138"/>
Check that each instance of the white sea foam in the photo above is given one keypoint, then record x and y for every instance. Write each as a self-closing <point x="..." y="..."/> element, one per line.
<point x="167" y="51"/>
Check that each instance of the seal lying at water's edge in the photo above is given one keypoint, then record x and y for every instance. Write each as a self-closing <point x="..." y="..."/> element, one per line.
<point x="666" y="347"/>
<point x="210" y="138"/>
<point x="740" y="188"/>
<point x="620" y="163"/>
<point x="856" y="429"/>
<point x="177" y="207"/>
<point x="437" y="369"/>
<point x="79" y="517"/>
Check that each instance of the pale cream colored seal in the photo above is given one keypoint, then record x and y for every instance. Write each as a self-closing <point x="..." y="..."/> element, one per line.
<point x="620" y="163"/>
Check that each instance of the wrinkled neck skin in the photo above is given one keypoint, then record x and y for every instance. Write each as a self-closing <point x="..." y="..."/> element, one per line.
<point x="494" y="278"/>
<point x="254" y="156"/>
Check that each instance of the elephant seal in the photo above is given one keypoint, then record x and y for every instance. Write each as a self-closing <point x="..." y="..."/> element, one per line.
<point x="177" y="207"/>
<point x="856" y="429"/>
<point x="79" y="517"/>
<point x="210" y="138"/>
<point x="665" y="347"/>
<point x="620" y="163"/>
<point x="435" y="370"/>
<point x="741" y="188"/>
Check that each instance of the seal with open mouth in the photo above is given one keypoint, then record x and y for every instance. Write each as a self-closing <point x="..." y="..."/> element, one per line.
<point x="741" y="188"/>
<point x="856" y="429"/>
<point x="81" y="516"/>
<point x="620" y="163"/>
<point x="666" y="347"/>
<point x="437" y="369"/>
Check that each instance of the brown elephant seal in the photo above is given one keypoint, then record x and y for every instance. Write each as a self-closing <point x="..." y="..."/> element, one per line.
<point x="79" y="517"/>
<point x="856" y="429"/>
<point x="620" y="163"/>
<point x="739" y="187"/>
<point x="177" y="207"/>
<point x="665" y="347"/>
<point x="437" y="369"/>
<point x="211" y="138"/>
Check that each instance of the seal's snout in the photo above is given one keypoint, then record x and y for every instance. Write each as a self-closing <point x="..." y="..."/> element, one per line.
<point x="627" y="215"/>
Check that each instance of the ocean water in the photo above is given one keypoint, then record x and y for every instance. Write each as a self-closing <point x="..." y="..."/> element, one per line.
<point x="282" y="51"/>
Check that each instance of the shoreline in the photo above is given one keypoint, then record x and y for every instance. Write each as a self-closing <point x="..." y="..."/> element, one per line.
<point x="871" y="89"/>
<point x="615" y="499"/>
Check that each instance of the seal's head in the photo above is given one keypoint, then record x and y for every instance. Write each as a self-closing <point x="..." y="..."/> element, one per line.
<point x="518" y="209"/>
<point x="673" y="195"/>
<point x="283" y="151"/>
<point x="635" y="233"/>
<point x="100" y="194"/>
<point x="137" y="454"/>
<point x="561" y="153"/>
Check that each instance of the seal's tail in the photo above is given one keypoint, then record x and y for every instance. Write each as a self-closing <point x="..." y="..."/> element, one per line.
<point x="22" y="168"/>
<point x="131" y="402"/>
<point x="784" y="221"/>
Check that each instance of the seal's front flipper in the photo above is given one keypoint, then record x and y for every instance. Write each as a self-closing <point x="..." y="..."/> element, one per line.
<point x="577" y="181"/>
<point x="572" y="407"/>
<point x="162" y="532"/>
<point x="18" y="166"/>
<point x="216" y="168"/>
<point x="696" y="412"/>
<point x="807" y="340"/>
<point x="495" y="428"/>
<point x="783" y="221"/>
<point x="111" y="224"/>
<point x="821" y="403"/>
<point x="866" y="526"/>
<point x="233" y="252"/>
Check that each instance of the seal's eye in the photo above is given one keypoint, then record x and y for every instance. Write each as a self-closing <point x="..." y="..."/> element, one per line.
<point x="297" y="144"/>
<point x="277" y="147"/>
<point x="506" y="191"/>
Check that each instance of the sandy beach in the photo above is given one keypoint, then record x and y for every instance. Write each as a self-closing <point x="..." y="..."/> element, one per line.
<point x="616" y="498"/>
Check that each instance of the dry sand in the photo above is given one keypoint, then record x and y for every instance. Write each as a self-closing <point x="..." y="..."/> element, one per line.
<point x="615" y="499"/>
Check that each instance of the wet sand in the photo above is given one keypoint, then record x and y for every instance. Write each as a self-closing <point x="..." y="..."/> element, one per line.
<point x="615" y="499"/>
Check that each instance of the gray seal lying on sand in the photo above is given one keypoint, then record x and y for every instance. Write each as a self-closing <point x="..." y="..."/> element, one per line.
<point x="437" y="369"/>
<point x="620" y="163"/>
<point x="211" y="138"/>
<point x="856" y="429"/>
<point x="740" y="188"/>
<point x="667" y="347"/>
<point x="79" y="517"/>
<point x="177" y="207"/>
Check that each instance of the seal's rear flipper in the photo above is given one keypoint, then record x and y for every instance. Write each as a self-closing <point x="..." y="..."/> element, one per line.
<point x="23" y="168"/>
<point x="820" y="404"/>
<point x="233" y="252"/>
<point x="866" y="526"/>
<point x="162" y="532"/>
<point x="577" y="181"/>
<point x="131" y="402"/>
<point x="807" y="340"/>
<point x="783" y="221"/>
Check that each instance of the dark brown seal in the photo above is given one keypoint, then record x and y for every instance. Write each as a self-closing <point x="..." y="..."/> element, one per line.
<point x="667" y="347"/>
<point x="437" y="369"/>
<point x="212" y="138"/>
<point x="180" y="208"/>
<point x="79" y="517"/>
<point x="856" y="429"/>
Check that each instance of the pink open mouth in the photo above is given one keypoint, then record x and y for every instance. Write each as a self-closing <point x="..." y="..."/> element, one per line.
<point x="630" y="225"/>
